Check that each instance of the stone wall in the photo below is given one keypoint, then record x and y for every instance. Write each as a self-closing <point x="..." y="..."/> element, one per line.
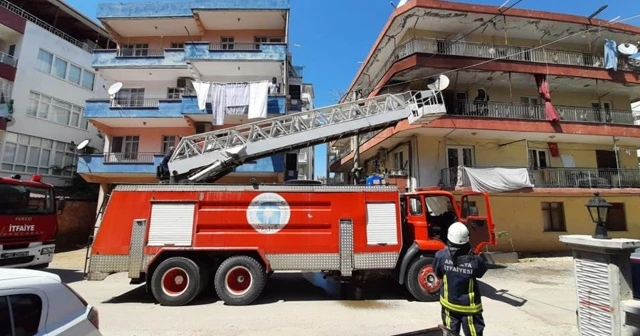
<point x="75" y="223"/>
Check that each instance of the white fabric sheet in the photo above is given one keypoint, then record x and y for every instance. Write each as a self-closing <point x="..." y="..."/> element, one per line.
<point x="218" y="103"/>
<point x="495" y="179"/>
<point x="258" y="99"/>
<point x="202" y="92"/>
<point x="237" y="98"/>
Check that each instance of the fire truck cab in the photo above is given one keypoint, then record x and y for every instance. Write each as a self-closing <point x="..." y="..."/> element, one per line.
<point x="28" y="222"/>
<point x="180" y="238"/>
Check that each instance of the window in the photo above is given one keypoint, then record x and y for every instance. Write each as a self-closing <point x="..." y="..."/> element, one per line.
<point x="75" y="74"/>
<point x="460" y="156"/>
<point x="617" y="219"/>
<point x="65" y="70"/>
<point x="553" y="216"/>
<point x="167" y="142"/>
<point x="45" y="61"/>
<point x="58" y="111"/>
<point x="398" y="160"/>
<point x="177" y="45"/>
<point x="415" y="206"/>
<point x="5" y="316"/>
<point x="130" y="97"/>
<point x="261" y="40"/>
<point x="23" y="153"/>
<point x="126" y="145"/>
<point x="140" y="49"/>
<point x="227" y="43"/>
<point x="174" y="93"/>
<point x="538" y="159"/>
<point x="60" y="68"/>
<point x="88" y="79"/>
<point x="26" y="310"/>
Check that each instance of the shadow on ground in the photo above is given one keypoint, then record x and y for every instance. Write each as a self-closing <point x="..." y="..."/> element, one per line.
<point x="67" y="275"/>
<point x="501" y="295"/>
<point x="295" y="287"/>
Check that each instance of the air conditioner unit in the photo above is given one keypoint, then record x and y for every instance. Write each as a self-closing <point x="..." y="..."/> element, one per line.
<point x="182" y="82"/>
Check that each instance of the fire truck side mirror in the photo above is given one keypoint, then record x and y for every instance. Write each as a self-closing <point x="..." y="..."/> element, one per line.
<point x="62" y="204"/>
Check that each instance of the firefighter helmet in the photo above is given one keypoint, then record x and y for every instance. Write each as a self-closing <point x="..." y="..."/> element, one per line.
<point x="458" y="233"/>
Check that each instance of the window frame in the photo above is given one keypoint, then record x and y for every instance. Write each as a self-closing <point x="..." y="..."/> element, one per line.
<point x="43" y="306"/>
<point x="534" y="163"/>
<point x="624" y="227"/>
<point x="167" y="143"/>
<point x="50" y="115"/>
<point x="84" y="73"/>
<point x="46" y="148"/>
<point x="562" y="226"/>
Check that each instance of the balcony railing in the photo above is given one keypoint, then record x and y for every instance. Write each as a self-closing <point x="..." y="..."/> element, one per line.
<point x="132" y="157"/>
<point x="568" y="178"/>
<point x="140" y="53"/>
<point x="136" y="103"/>
<point x="30" y="17"/>
<point x="303" y="158"/>
<point x="235" y="46"/>
<point x="490" y="51"/>
<point x="536" y="112"/>
<point x="8" y="59"/>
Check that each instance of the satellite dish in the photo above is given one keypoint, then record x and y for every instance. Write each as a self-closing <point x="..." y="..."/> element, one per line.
<point x="113" y="89"/>
<point x="627" y="49"/>
<point x="83" y="144"/>
<point x="438" y="83"/>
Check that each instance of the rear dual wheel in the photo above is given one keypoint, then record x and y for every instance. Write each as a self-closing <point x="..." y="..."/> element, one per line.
<point x="177" y="281"/>
<point x="240" y="280"/>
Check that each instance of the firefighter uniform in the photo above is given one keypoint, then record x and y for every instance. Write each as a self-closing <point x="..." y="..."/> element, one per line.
<point x="459" y="294"/>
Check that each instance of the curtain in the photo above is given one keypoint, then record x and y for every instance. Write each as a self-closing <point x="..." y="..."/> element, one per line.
<point x="543" y="89"/>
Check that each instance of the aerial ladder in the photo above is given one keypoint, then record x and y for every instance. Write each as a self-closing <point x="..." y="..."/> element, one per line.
<point x="206" y="157"/>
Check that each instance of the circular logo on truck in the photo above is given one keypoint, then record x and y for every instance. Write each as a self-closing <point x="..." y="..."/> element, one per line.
<point x="268" y="213"/>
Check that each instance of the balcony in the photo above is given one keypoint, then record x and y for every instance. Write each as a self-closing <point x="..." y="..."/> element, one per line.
<point x="491" y="51"/>
<point x="138" y="58"/>
<point x="205" y="51"/>
<point x="520" y="111"/>
<point x="119" y="163"/>
<point x="568" y="178"/>
<point x="8" y="60"/>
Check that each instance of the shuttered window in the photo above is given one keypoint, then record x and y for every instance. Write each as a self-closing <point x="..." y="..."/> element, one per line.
<point x="171" y="224"/>
<point x="381" y="224"/>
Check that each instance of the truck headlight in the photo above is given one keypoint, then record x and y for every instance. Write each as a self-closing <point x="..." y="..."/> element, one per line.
<point x="48" y="250"/>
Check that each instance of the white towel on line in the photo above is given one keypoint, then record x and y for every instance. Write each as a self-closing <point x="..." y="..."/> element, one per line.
<point x="218" y="103"/>
<point x="259" y="98"/>
<point x="202" y="92"/>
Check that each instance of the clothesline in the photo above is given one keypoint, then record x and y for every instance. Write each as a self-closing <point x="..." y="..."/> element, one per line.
<point x="233" y="98"/>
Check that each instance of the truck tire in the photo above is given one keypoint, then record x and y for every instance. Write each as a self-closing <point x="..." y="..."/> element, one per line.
<point x="240" y="280"/>
<point x="421" y="281"/>
<point x="176" y="281"/>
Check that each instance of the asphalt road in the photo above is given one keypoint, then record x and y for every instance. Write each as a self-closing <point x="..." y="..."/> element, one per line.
<point x="534" y="297"/>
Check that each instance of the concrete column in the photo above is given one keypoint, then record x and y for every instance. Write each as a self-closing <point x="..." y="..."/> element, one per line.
<point x="603" y="279"/>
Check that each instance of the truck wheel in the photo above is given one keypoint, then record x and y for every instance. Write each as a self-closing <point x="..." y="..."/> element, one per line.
<point x="422" y="281"/>
<point x="176" y="281"/>
<point x="239" y="280"/>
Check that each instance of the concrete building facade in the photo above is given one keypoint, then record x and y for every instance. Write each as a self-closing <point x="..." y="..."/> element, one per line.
<point x="45" y="78"/>
<point x="499" y="113"/>
<point x="160" y="49"/>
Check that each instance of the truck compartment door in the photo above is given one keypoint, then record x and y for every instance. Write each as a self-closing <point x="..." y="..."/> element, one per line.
<point x="476" y="214"/>
<point x="171" y="224"/>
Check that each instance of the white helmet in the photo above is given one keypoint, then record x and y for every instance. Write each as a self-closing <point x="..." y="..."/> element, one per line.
<point x="458" y="233"/>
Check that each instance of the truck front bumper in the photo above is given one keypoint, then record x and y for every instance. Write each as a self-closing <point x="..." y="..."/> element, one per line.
<point x="27" y="257"/>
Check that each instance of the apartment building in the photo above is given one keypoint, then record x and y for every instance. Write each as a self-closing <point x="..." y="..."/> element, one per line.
<point x="306" y="158"/>
<point x="45" y="78"/>
<point x="162" y="49"/>
<point x="561" y="111"/>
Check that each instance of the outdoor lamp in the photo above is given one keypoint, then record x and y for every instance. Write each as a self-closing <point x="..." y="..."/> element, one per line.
<point x="599" y="209"/>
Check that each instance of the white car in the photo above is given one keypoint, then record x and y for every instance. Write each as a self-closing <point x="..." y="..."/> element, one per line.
<point x="39" y="303"/>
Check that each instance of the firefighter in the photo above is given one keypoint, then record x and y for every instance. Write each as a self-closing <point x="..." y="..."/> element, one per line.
<point x="167" y="157"/>
<point x="458" y="268"/>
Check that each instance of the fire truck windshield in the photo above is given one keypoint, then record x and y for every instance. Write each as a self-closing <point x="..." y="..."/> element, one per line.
<point x="18" y="199"/>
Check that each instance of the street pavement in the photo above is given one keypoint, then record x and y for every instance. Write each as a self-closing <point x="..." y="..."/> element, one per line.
<point x="533" y="297"/>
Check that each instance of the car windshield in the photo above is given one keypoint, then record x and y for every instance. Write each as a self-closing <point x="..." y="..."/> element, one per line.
<point x="438" y="205"/>
<point x="20" y="199"/>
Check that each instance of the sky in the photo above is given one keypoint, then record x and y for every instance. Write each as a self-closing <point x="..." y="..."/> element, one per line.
<point x="330" y="37"/>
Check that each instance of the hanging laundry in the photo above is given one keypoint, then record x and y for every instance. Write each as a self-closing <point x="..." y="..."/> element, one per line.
<point x="218" y="103"/>
<point x="202" y="92"/>
<point x="258" y="99"/>
<point x="610" y="55"/>
<point x="237" y="95"/>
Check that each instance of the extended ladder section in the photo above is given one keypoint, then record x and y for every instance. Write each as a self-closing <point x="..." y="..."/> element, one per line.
<point x="211" y="155"/>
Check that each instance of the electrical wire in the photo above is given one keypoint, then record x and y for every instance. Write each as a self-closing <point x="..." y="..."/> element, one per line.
<point x="523" y="51"/>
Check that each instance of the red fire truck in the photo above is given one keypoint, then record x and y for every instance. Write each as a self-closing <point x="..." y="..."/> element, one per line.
<point x="28" y="222"/>
<point x="177" y="237"/>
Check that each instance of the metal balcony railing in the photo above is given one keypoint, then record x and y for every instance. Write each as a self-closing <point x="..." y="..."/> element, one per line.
<point x="130" y="157"/>
<point x="8" y="59"/>
<point x="567" y="177"/>
<point x="489" y="51"/>
<point x="135" y="103"/>
<point x="126" y="52"/>
<point x="30" y="17"/>
<point x="536" y="112"/>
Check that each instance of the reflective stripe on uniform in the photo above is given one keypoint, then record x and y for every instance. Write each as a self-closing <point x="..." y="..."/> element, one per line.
<point x="472" y="327"/>
<point x="472" y="308"/>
